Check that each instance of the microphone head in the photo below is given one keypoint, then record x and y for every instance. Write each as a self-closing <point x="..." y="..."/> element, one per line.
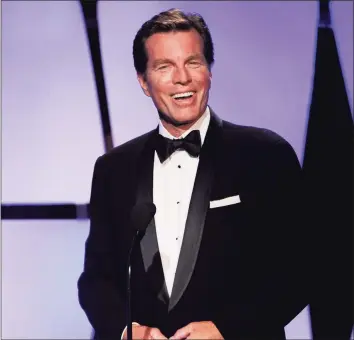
<point x="141" y="215"/>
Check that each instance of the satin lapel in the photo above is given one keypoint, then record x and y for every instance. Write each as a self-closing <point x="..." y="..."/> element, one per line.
<point x="149" y="244"/>
<point x="197" y="212"/>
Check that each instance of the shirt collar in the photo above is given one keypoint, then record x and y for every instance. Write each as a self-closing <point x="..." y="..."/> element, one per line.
<point x="201" y="124"/>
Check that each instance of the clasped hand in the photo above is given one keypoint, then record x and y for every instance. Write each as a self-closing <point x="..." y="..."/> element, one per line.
<point x="194" y="330"/>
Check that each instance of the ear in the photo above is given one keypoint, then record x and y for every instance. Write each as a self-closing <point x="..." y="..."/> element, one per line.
<point x="143" y="83"/>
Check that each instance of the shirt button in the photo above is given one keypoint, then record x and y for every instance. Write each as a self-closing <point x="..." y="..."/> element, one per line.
<point x="179" y="166"/>
<point x="177" y="202"/>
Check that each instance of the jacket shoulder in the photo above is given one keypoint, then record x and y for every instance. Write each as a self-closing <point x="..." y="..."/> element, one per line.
<point x="127" y="150"/>
<point x="252" y="134"/>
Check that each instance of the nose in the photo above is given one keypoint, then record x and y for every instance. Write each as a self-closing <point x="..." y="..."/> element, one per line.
<point x="181" y="76"/>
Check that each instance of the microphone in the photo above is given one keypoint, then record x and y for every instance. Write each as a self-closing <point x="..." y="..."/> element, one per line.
<point x="140" y="217"/>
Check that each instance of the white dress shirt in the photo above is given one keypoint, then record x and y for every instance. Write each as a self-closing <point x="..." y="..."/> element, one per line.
<point x="173" y="184"/>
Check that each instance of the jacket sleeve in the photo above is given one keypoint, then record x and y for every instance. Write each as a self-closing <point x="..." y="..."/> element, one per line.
<point x="98" y="292"/>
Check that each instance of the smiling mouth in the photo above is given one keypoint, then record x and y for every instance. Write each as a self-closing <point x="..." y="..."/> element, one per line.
<point x="183" y="95"/>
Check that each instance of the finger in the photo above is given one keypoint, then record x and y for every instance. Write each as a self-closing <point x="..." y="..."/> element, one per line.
<point x="183" y="333"/>
<point x="155" y="333"/>
<point x="146" y="334"/>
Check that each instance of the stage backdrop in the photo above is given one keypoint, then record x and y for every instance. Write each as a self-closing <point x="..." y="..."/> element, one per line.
<point x="52" y="135"/>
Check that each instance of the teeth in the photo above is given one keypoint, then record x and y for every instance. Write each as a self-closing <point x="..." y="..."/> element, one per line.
<point x="182" y="95"/>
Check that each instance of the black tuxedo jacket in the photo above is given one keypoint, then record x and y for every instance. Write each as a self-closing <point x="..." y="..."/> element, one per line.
<point x="241" y="266"/>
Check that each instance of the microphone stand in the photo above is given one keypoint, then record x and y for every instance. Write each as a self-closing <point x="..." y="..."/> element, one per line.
<point x="141" y="215"/>
<point x="129" y="310"/>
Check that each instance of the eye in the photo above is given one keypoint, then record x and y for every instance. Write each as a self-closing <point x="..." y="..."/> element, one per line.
<point x="194" y="63"/>
<point x="162" y="67"/>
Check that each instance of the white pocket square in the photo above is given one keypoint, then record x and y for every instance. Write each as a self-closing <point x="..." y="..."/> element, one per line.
<point x="225" y="201"/>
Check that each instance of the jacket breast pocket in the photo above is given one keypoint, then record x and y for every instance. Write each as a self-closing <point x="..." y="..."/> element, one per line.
<point x="226" y="213"/>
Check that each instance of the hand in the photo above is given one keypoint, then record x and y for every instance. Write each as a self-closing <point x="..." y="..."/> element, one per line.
<point x="144" y="332"/>
<point x="198" y="330"/>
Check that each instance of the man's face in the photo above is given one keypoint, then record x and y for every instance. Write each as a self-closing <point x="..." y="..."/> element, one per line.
<point x="177" y="76"/>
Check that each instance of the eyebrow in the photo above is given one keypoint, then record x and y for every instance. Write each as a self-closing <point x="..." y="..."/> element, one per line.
<point x="168" y="61"/>
<point x="194" y="56"/>
<point x="161" y="61"/>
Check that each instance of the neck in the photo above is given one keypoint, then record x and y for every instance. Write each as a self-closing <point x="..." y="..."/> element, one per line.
<point x="176" y="128"/>
<point x="176" y="131"/>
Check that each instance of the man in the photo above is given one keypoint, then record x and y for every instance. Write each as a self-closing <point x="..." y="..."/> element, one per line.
<point x="222" y="256"/>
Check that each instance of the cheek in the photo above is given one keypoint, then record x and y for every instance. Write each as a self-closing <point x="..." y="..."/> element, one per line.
<point x="204" y="86"/>
<point x="160" y="86"/>
<point x="159" y="94"/>
<point x="203" y="80"/>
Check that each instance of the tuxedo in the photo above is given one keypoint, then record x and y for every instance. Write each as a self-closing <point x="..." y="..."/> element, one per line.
<point x="241" y="265"/>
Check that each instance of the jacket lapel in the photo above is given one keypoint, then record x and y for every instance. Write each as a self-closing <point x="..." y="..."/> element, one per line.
<point x="197" y="211"/>
<point x="149" y="244"/>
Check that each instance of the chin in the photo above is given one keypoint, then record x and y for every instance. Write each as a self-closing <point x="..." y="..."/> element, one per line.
<point x="186" y="114"/>
<point x="186" y="119"/>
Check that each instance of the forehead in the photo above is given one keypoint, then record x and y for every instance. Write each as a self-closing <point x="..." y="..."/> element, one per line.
<point x="174" y="45"/>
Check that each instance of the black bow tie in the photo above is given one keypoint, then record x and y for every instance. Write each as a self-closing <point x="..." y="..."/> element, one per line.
<point x="165" y="147"/>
